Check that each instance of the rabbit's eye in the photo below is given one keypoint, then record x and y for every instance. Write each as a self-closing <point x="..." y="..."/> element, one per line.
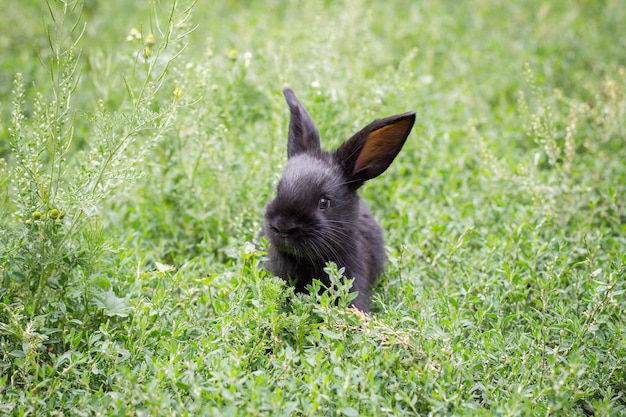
<point x="323" y="204"/>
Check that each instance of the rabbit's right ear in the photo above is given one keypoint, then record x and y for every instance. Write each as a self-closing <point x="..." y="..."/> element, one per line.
<point x="303" y="134"/>
<point x="369" y="152"/>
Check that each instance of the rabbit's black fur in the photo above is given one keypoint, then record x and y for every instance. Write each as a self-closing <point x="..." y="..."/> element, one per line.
<point x="317" y="215"/>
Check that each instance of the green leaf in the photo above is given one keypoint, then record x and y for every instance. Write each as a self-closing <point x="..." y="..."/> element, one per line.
<point x="111" y="304"/>
<point x="163" y="267"/>
<point x="17" y="354"/>
<point x="348" y="411"/>
<point x="332" y="335"/>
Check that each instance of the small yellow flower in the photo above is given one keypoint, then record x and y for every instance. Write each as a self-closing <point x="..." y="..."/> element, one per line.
<point x="178" y="92"/>
<point x="232" y="54"/>
<point x="150" y="40"/>
<point x="54" y="213"/>
<point x="147" y="52"/>
<point x="37" y="215"/>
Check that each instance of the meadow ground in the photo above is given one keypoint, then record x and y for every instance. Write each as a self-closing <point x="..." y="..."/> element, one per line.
<point x="140" y="143"/>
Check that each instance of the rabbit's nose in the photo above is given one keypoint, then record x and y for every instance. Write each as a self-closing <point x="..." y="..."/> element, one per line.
<point x="285" y="232"/>
<point x="284" y="228"/>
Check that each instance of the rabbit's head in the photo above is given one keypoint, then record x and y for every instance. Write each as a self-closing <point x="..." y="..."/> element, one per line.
<point x="316" y="210"/>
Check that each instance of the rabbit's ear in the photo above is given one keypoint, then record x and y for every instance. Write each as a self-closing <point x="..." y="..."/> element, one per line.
<point x="369" y="153"/>
<point x="303" y="134"/>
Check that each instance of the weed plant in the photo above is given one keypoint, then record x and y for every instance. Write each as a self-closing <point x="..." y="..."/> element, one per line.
<point x="139" y="145"/>
<point x="58" y="268"/>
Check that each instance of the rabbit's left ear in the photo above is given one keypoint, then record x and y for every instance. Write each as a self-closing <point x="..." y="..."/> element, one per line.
<point x="369" y="153"/>
<point x="303" y="134"/>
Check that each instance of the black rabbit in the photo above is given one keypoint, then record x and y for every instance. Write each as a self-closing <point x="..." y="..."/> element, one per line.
<point x="317" y="215"/>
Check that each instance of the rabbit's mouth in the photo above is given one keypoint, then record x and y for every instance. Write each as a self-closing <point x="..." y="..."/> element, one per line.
<point x="289" y="244"/>
<point x="284" y="245"/>
<point x="284" y="242"/>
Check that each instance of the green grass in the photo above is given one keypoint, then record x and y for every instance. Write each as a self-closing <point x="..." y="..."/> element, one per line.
<point x="133" y="184"/>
